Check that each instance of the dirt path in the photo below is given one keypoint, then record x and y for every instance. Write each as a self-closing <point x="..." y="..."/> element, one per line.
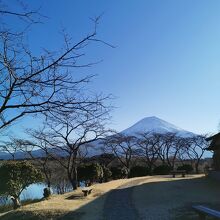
<point x="119" y="203"/>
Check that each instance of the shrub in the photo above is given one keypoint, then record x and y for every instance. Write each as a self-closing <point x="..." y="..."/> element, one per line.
<point x="95" y="172"/>
<point x="162" y="170"/>
<point x="91" y="172"/>
<point x="15" y="177"/>
<point x="107" y="174"/>
<point x="81" y="173"/>
<point x="137" y="171"/>
<point x="187" y="167"/>
<point x="124" y="172"/>
<point x="119" y="173"/>
<point x="116" y="172"/>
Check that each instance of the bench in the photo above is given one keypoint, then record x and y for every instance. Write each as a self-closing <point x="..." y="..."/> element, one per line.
<point x="205" y="211"/>
<point x="175" y="172"/>
<point x="87" y="191"/>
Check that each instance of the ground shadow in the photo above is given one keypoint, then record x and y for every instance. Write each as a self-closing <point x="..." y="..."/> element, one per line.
<point x="174" y="199"/>
<point x="72" y="197"/>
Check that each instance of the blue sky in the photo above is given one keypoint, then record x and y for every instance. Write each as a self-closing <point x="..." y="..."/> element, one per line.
<point x="166" y="61"/>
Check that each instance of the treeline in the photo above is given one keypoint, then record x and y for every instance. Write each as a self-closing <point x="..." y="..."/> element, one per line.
<point x="155" y="149"/>
<point x="65" y="166"/>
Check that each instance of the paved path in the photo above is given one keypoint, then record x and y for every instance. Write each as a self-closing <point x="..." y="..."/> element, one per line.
<point x="165" y="198"/>
<point x="119" y="205"/>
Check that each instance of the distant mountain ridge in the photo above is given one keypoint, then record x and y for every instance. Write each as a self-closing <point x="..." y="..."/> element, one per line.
<point x="149" y="124"/>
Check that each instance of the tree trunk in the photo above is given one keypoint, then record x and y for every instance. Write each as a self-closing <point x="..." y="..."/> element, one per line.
<point x="73" y="178"/>
<point x="48" y="181"/>
<point x="150" y="169"/>
<point x="74" y="184"/>
<point x="16" y="202"/>
<point x="197" y="167"/>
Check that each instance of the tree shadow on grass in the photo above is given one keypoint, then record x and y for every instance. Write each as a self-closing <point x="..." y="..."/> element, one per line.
<point x="91" y="211"/>
<point x="74" y="197"/>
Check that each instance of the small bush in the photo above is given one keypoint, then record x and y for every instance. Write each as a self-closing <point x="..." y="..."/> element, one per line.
<point x="90" y="173"/>
<point x="162" y="170"/>
<point x="187" y="167"/>
<point x="107" y="174"/>
<point x="139" y="171"/>
<point x="124" y="172"/>
<point x="15" y="177"/>
<point x="119" y="173"/>
<point x="116" y="172"/>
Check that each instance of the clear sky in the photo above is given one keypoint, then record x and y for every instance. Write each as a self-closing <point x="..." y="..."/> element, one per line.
<point x="166" y="61"/>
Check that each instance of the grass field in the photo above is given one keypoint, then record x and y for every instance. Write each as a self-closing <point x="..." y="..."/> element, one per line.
<point x="72" y="205"/>
<point x="158" y="197"/>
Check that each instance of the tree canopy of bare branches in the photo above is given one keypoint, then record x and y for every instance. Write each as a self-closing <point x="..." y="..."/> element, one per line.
<point x="124" y="147"/>
<point x="31" y="84"/>
<point x="68" y="137"/>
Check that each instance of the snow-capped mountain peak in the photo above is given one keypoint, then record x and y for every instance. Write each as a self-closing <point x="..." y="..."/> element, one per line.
<point x="155" y="125"/>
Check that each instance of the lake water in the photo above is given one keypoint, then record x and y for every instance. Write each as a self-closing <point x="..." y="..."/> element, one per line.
<point x="35" y="191"/>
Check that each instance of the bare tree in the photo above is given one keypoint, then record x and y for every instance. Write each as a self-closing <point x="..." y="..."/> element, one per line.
<point x="178" y="147"/>
<point x="182" y="156"/>
<point x="22" y="12"/>
<point x="25" y="148"/>
<point x="149" y="147"/>
<point x="11" y="147"/>
<point x="31" y="84"/>
<point x="169" y="147"/>
<point x="196" y="148"/>
<point x="158" y="139"/>
<point x="69" y="136"/>
<point x="42" y="160"/>
<point x="123" y="147"/>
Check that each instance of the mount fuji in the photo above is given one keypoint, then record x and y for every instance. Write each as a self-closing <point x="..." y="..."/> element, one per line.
<point x="155" y="125"/>
<point x="146" y="125"/>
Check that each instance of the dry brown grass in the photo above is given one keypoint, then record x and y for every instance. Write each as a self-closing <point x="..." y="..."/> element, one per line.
<point x="71" y="205"/>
